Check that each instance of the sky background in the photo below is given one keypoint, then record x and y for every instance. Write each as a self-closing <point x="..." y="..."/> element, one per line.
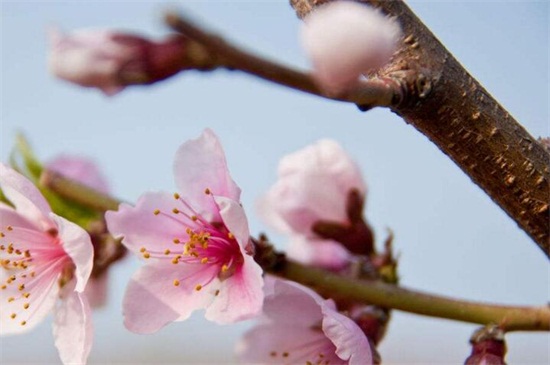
<point x="451" y="238"/>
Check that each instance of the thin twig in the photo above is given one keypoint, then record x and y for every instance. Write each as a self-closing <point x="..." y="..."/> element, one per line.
<point x="509" y="318"/>
<point x="385" y="91"/>
<point x="77" y="192"/>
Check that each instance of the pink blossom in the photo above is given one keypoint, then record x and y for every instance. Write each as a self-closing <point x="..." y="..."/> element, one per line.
<point x="110" y="60"/>
<point x="345" y="39"/>
<point x="85" y="171"/>
<point x="313" y="186"/>
<point x="44" y="258"/>
<point x="196" y="245"/>
<point x="80" y="169"/>
<point x="300" y="327"/>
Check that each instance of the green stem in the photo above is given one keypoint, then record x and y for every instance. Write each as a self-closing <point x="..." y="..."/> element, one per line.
<point x="77" y="192"/>
<point x="509" y="318"/>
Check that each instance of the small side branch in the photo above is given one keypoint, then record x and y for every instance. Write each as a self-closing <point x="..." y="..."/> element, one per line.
<point x="508" y="318"/>
<point x="384" y="91"/>
<point x="77" y="192"/>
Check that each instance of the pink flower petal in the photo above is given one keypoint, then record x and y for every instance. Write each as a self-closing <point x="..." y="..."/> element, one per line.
<point x="200" y="164"/>
<point x="234" y="217"/>
<point x="152" y="300"/>
<point x="26" y="198"/>
<point x="78" y="245"/>
<point x="316" y="252"/>
<point x="73" y="329"/>
<point x="140" y="225"/>
<point x="80" y="169"/>
<point x="351" y="343"/>
<point x="9" y="217"/>
<point x="240" y="296"/>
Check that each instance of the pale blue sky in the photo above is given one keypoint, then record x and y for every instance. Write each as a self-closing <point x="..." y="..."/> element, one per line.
<point x="452" y="239"/>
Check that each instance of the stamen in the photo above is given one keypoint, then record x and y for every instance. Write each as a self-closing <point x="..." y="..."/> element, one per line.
<point x="21" y="287"/>
<point x="11" y="299"/>
<point x="207" y="191"/>
<point x="23" y="323"/>
<point x="198" y="287"/>
<point x="217" y="292"/>
<point x="167" y="252"/>
<point x="225" y="268"/>
<point x="9" y="228"/>
<point x="230" y="235"/>
<point x="26" y="305"/>
<point x="273" y="353"/>
<point x="156" y="212"/>
<point x="13" y="315"/>
<point x="26" y="295"/>
<point x="146" y="255"/>
<point x="204" y="260"/>
<point x="285" y="354"/>
<point x="176" y="282"/>
<point x="142" y="249"/>
<point x="175" y="210"/>
<point x="176" y="196"/>
<point x="176" y="241"/>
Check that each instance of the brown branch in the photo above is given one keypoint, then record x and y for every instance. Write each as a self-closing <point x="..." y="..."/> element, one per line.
<point x="468" y="124"/>
<point x="384" y="91"/>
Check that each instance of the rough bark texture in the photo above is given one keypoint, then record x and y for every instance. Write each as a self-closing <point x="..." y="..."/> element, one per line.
<point x="457" y="114"/>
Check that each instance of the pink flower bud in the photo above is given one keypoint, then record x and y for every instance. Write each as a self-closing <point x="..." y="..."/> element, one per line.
<point x="110" y="61"/>
<point x="345" y="39"/>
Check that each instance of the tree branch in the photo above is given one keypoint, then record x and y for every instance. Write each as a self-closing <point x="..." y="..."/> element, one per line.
<point x="331" y="285"/>
<point x="383" y="91"/>
<point x="469" y="125"/>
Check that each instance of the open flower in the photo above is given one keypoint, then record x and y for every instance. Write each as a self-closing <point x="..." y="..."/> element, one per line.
<point x="345" y="39"/>
<point x="44" y="258"/>
<point x="313" y="186"/>
<point x="300" y="327"/>
<point x="196" y="245"/>
<point x="85" y="171"/>
<point x="111" y="60"/>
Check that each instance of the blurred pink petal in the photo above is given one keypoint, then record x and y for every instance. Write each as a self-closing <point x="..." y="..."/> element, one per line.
<point x="110" y="60"/>
<point x="313" y="186"/>
<point x="345" y="39"/>
<point x="194" y="244"/>
<point x="40" y="254"/>
<point x="80" y="169"/>
<point x="301" y="327"/>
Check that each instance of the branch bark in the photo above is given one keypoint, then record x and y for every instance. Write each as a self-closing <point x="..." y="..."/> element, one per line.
<point x="457" y="114"/>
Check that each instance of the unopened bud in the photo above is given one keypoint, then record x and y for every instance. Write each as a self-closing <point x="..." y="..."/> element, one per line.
<point x="345" y="39"/>
<point x="110" y="61"/>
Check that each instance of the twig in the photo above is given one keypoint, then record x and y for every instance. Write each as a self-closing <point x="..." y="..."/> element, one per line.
<point x="77" y="192"/>
<point x="385" y="91"/>
<point x="509" y="318"/>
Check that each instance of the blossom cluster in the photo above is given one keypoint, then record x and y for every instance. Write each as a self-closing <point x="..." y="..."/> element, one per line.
<point x="195" y="244"/>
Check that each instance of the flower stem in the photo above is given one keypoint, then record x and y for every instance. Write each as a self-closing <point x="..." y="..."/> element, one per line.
<point x="385" y="91"/>
<point x="509" y="318"/>
<point x="77" y="192"/>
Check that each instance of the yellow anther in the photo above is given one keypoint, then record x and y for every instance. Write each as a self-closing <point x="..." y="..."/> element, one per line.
<point x="175" y="260"/>
<point x="26" y="305"/>
<point x="167" y="252"/>
<point x="9" y="228"/>
<point x="225" y="268"/>
<point x="21" y="286"/>
<point x="205" y="245"/>
<point x="204" y="260"/>
<point x="194" y="254"/>
<point x="188" y="231"/>
<point x="175" y="210"/>
<point x="198" y="287"/>
<point x="2" y="247"/>
<point x="2" y="235"/>
<point x="18" y="252"/>
<point x="156" y="212"/>
<point x="27" y="253"/>
<point x="176" y="241"/>
<point x="176" y="282"/>
<point x="23" y="323"/>
<point x="143" y="249"/>
<point x="146" y="255"/>
<point x="194" y="218"/>
<point x="26" y="295"/>
<point x="13" y="315"/>
<point x="230" y="235"/>
<point x="176" y="196"/>
<point x="11" y="299"/>
<point x="4" y="286"/>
